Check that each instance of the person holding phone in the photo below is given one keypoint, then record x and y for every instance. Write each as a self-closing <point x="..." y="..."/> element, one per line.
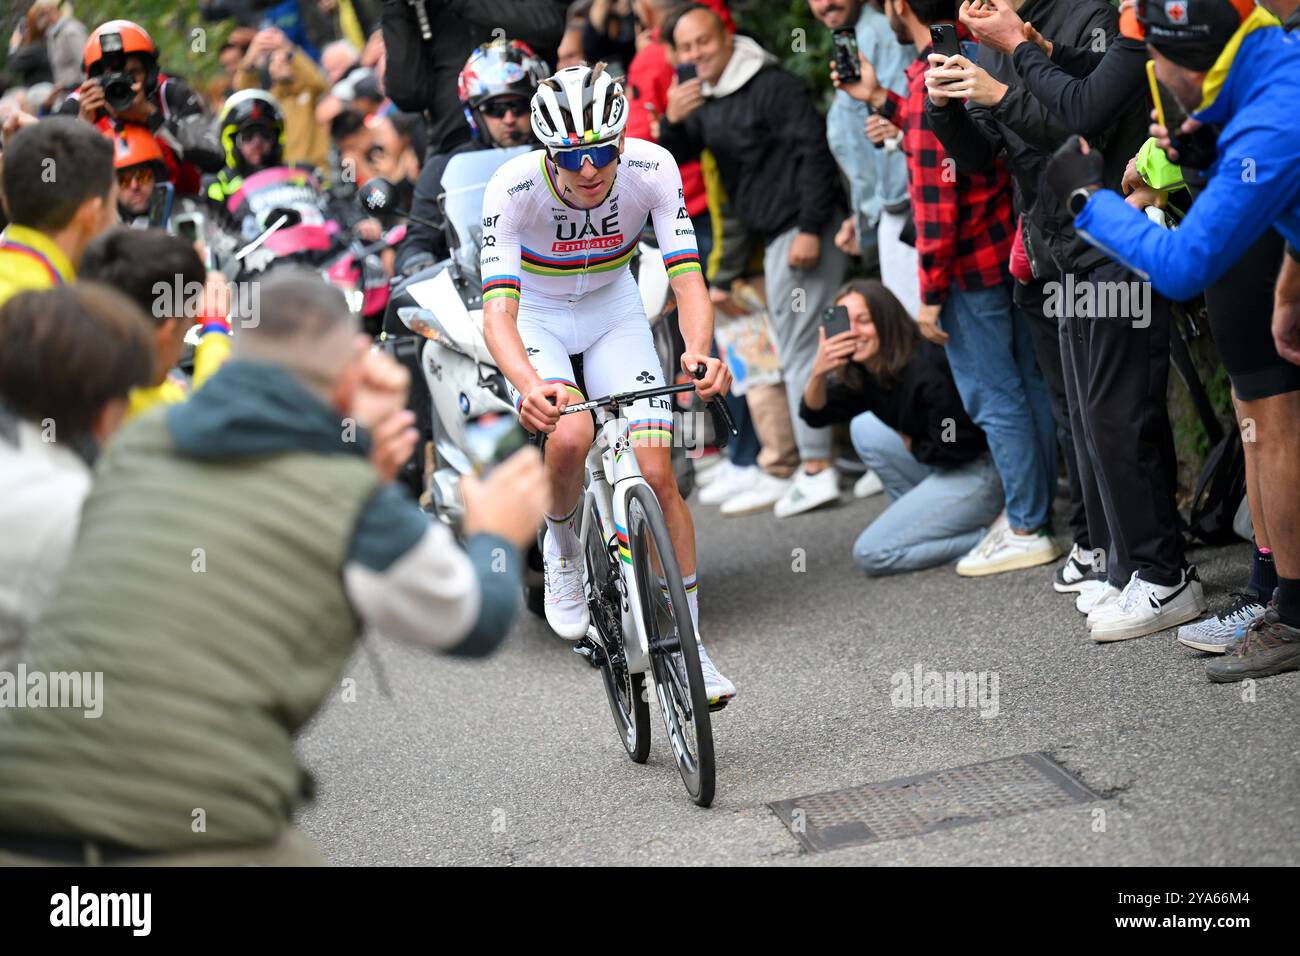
<point x="908" y="424"/>
<point x="761" y="126"/>
<point x="877" y="176"/>
<point x="1233" y="68"/>
<point x="964" y="231"/>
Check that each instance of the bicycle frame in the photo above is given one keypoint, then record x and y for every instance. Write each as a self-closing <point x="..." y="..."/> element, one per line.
<point x="611" y="472"/>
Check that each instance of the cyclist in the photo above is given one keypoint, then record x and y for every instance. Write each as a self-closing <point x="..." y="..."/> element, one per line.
<point x="560" y="225"/>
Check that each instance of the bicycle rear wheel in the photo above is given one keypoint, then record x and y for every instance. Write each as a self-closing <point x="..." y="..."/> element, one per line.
<point x="628" y="701"/>
<point x="674" y="654"/>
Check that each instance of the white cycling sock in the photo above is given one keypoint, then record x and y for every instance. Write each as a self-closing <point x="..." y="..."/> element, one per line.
<point x="563" y="532"/>
<point x="692" y="599"/>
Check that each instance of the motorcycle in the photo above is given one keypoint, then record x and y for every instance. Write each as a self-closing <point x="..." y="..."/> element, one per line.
<point x="442" y="305"/>
<point x="360" y="274"/>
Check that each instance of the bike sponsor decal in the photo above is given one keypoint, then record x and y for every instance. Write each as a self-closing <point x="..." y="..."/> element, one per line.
<point x="490" y="221"/>
<point x="641" y="164"/>
<point x="526" y="185"/>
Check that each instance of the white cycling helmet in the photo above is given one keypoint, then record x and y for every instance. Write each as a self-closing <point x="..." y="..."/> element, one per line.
<point x="578" y="106"/>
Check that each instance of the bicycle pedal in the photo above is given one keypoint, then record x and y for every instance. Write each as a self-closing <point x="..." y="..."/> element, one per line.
<point x="589" y="649"/>
<point x="719" y="705"/>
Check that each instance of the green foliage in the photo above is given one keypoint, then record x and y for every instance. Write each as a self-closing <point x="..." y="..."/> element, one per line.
<point x="788" y="29"/>
<point x="187" y="43"/>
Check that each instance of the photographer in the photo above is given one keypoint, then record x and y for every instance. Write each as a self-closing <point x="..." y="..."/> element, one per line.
<point x="125" y="85"/>
<point x="909" y="426"/>
<point x="421" y="74"/>
<point x="306" y="544"/>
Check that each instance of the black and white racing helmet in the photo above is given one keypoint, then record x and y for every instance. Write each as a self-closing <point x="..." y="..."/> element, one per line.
<point x="579" y="106"/>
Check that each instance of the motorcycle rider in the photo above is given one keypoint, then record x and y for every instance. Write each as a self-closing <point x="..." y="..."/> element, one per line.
<point x="138" y="161"/>
<point x="251" y="127"/>
<point x="119" y="54"/>
<point x="496" y="85"/>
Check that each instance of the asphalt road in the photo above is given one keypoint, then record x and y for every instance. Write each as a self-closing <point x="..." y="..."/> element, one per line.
<point x="514" y="760"/>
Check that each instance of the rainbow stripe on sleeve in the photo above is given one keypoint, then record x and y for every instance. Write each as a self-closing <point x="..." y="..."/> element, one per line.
<point x="681" y="262"/>
<point x="499" y="287"/>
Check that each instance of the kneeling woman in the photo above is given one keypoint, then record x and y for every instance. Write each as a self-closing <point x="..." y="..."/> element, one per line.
<point x="908" y="425"/>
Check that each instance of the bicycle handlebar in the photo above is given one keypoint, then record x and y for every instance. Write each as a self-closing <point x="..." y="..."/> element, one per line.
<point x="627" y="398"/>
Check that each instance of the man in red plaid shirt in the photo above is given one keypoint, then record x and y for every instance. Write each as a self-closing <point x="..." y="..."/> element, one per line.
<point x="964" y="232"/>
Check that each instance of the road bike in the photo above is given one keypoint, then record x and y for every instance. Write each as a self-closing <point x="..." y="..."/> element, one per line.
<point x="641" y="622"/>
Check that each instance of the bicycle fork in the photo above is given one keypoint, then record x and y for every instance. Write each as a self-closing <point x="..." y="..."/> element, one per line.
<point x="601" y="504"/>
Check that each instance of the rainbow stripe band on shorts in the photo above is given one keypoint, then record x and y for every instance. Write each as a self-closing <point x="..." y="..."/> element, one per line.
<point x="563" y="381"/>
<point x="653" y="430"/>
<point x="497" y="287"/>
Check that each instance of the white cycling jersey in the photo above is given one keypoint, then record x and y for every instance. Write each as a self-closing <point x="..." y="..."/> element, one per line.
<point x="534" y="241"/>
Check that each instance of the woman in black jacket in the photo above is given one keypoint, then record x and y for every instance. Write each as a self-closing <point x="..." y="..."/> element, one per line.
<point x="908" y="425"/>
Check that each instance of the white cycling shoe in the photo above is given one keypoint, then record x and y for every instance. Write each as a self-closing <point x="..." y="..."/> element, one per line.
<point x="566" y="593"/>
<point x="717" y="688"/>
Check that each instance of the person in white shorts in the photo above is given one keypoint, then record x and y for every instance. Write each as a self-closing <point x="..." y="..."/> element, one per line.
<point x="560" y="225"/>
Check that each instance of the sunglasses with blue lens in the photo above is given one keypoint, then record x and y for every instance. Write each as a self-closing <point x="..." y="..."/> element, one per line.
<point x="572" y="159"/>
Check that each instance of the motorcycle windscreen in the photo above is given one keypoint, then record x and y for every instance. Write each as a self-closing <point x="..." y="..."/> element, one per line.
<point x="463" y="183"/>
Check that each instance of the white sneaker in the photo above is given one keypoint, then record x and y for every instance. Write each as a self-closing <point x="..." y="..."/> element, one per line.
<point x="767" y="491"/>
<point x="730" y="482"/>
<point x="1004" y="550"/>
<point x="1079" y="568"/>
<point x="1144" y="608"/>
<point x="1093" y="594"/>
<point x="808" y="492"/>
<point x="566" y="594"/>
<point x="709" y="467"/>
<point x="999" y="523"/>
<point x="717" y="688"/>
<point x="869" y="484"/>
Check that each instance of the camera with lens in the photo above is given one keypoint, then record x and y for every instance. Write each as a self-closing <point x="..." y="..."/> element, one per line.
<point x="119" y="90"/>
<point x="117" y="85"/>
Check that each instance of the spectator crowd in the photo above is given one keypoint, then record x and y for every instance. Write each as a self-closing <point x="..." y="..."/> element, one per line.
<point x="970" y="269"/>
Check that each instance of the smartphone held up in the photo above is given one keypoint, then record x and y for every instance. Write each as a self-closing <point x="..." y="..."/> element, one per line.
<point x="845" y="42"/>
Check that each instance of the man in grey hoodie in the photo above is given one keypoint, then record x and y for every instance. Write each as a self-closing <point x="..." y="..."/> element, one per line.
<point x="769" y="140"/>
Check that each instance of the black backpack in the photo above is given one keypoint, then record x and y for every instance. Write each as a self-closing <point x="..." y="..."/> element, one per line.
<point x="1219" y="489"/>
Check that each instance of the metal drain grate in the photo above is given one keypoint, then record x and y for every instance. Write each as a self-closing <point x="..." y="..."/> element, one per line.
<point x="911" y="806"/>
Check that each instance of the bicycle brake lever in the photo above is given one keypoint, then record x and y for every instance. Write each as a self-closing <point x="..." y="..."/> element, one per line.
<point x="716" y="405"/>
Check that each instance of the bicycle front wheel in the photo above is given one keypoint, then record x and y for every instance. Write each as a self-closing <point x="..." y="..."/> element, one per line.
<point x="674" y="654"/>
<point x="626" y="691"/>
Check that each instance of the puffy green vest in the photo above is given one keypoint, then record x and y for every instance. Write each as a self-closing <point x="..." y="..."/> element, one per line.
<point x="219" y="632"/>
